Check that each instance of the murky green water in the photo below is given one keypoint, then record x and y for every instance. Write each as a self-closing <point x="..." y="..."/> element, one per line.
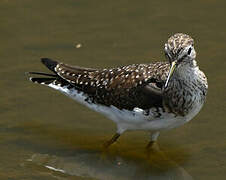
<point x="40" y="129"/>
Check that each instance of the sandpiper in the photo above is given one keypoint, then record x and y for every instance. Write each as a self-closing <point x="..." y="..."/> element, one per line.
<point x="153" y="97"/>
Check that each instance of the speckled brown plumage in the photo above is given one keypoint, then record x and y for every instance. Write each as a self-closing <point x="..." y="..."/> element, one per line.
<point x="125" y="87"/>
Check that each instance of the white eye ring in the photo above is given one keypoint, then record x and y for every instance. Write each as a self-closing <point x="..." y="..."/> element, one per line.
<point x="165" y="47"/>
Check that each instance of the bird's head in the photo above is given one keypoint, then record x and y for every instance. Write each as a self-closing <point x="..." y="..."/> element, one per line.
<point x="179" y="50"/>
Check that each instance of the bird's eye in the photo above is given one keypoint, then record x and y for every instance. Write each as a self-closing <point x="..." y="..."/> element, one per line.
<point x="189" y="51"/>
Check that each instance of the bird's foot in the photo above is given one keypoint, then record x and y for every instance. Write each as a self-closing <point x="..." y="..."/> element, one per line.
<point x="111" y="141"/>
<point x="152" y="148"/>
<point x="152" y="145"/>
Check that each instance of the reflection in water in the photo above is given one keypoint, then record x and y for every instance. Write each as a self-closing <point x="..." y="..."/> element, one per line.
<point x="104" y="165"/>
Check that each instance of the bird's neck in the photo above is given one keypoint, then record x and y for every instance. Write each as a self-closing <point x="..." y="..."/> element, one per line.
<point x="186" y="71"/>
<point x="179" y="96"/>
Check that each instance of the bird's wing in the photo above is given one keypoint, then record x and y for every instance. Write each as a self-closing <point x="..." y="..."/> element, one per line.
<point x="126" y="87"/>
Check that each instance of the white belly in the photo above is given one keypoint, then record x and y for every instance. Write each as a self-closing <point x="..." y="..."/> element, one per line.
<point x="132" y="120"/>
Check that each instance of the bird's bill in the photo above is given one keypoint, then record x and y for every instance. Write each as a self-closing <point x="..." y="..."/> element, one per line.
<point x="172" y="68"/>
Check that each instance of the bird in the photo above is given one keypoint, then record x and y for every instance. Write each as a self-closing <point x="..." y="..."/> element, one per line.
<point x="152" y="97"/>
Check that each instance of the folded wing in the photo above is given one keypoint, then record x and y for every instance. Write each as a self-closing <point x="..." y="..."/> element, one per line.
<point x="124" y="87"/>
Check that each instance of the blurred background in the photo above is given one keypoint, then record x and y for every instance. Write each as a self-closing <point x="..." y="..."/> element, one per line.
<point x="45" y="135"/>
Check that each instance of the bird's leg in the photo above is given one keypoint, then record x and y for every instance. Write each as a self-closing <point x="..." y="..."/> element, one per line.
<point x="152" y="143"/>
<point x="112" y="140"/>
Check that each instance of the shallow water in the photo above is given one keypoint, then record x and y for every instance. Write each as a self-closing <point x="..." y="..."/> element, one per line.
<point x="45" y="135"/>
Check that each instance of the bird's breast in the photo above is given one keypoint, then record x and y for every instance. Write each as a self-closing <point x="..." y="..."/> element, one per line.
<point x="182" y="97"/>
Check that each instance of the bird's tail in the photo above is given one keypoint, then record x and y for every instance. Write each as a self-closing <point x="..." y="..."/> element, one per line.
<point x="45" y="78"/>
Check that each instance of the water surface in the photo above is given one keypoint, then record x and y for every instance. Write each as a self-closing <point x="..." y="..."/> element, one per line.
<point x="45" y="135"/>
